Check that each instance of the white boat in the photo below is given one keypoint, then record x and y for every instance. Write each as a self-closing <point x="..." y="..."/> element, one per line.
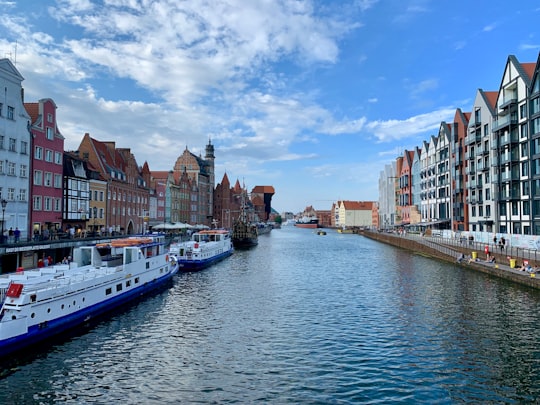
<point x="205" y="248"/>
<point x="40" y="303"/>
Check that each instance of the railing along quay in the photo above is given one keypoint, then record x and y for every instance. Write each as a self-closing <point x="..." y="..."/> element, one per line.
<point x="449" y="249"/>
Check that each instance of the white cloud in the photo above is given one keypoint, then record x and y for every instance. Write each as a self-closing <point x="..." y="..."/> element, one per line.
<point x="390" y="130"/>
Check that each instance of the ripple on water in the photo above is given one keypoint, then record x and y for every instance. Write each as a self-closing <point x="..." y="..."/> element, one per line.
<point x="304" y="319"/>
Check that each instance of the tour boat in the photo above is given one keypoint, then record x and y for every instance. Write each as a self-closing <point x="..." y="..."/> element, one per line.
<point x="40" y="303"/>
<point x="205" y="248"/>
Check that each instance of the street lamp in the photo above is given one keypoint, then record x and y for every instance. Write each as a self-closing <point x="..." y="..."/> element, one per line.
<point x="95" y="215"/>
<point x="4" y="203"/>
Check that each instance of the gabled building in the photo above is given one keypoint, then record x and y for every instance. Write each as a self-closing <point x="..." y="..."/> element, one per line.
<point x="457" y="132"/>
<point x="76" y="194"/>
<point x="534" y="131"/>
<point x="352" y="214"/>
<point x="201" y="173"/>
<point x="480" y="154"/>
<point x="511" y="140"/>
<point x="128" y="193"/>
<point x="47" y="168"/>
<point x="15" y="152"/>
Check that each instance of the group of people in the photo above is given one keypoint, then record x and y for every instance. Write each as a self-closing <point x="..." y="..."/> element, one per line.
<point x="526" y="266"/>
<point x="46" y="261"/>
<point x="461" y="258"/>
<point x="13" y="235"/>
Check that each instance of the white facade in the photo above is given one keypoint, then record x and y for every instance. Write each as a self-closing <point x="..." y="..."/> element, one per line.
<point x="480" y="171"/>
<point x="15" y="150"/>
<point x="387" y="196"/>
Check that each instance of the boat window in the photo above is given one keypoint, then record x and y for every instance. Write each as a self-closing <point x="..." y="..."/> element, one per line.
<point x="118" y="287"/>
<point x="128" y="283"/>
<point x="108" y="291"/>
<point x="33" y="298"/>
<point x="33" y="315"/>
<point x="136" y="280"/>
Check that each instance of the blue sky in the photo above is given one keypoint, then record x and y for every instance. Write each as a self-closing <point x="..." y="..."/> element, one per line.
<point x="311" y="97"/>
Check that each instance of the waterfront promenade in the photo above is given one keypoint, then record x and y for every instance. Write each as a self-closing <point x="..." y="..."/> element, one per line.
<point x="448" y="249"/>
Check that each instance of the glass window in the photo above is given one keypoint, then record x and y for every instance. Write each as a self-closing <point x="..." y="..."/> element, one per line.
<point x="38" y="153"/>
<point x="10" y="112"/>
<point x="50" y="134"/>
<point x="58" y="158"/>
<point x="36" y="203"/>
<point x="38" y="177"/>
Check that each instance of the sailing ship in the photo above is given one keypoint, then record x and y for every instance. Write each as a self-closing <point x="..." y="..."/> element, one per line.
<point x="244" y="231"/>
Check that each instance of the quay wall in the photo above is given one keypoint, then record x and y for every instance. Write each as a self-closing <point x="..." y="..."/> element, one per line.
<point x="427" y="246"/>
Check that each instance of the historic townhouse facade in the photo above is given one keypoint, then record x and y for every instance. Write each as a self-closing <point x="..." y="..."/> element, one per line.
<point x="201" y="173"/>
<point x="47" y="168"/>
<point x="15" y="151"/>
<point x="127" y="191"/>
<point x="76" y="194"/>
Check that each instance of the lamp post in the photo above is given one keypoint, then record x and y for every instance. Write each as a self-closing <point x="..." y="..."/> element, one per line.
<point x="4" y="203"/>
<point x="95" y="215"/>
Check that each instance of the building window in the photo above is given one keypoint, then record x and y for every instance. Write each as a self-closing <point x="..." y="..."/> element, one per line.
<point x="57" y="181"/>
<point x="57" y="204"/>
<point x="10" y="113"/>
<point x="1" y="166"/>
<point x="49" y="117"/>
<point x="48" y="204"/>
<point x="12" y="145"/>
<point x="58" y="158"/>
<point x="38" y="153"/>
<point x="48" y="179"/>
<point x="11" y="168"/>
<point x="38" y="177"/>
<point x="36" y="204"/>
<point x="24" y="148"/>
<point x="48" y="155"/>
<point x="50" y="134"/>
<point x="22" y="194"/>
<point x="24" y="171"/>
<point x="11" y="194"/>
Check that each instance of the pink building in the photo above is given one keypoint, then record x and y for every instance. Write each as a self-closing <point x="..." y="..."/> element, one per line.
<point x="47" y="169"/>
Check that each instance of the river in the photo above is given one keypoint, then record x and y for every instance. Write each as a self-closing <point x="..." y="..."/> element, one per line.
<point x="303" y="318"/>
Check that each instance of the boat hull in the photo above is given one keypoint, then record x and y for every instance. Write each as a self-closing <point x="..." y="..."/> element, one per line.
<point x="245" y="243"/>
<point x="55" y="328"/>
<point x="196" y="265"/>
<point x="307" y="225"/>
<point x="43" y="303"/>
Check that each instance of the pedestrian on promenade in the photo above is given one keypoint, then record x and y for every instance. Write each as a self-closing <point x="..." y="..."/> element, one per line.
<point x="17" y="235"/>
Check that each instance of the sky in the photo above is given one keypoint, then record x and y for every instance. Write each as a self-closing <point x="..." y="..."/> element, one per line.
<point x="312" y="97"/>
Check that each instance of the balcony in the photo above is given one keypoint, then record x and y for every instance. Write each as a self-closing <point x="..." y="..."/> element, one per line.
<point x="509" y="138"/>
<point x="504" y="122"/>
<point x="473" y="138"/>
<point x="509" y="176"/>
<point x="508" y="102"/>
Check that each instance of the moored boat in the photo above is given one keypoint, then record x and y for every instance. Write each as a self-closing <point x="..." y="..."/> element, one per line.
<point x="41" y="303"/>
<point x="307" y="222"/>
<point x="204" y="249"/>
<point x="244" y="234"/>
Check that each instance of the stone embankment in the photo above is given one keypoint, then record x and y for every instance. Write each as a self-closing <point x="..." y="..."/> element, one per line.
<point x="436" y="248"/>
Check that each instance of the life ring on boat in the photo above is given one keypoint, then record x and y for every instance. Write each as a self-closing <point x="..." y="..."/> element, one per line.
<point x="196" y="245"/>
